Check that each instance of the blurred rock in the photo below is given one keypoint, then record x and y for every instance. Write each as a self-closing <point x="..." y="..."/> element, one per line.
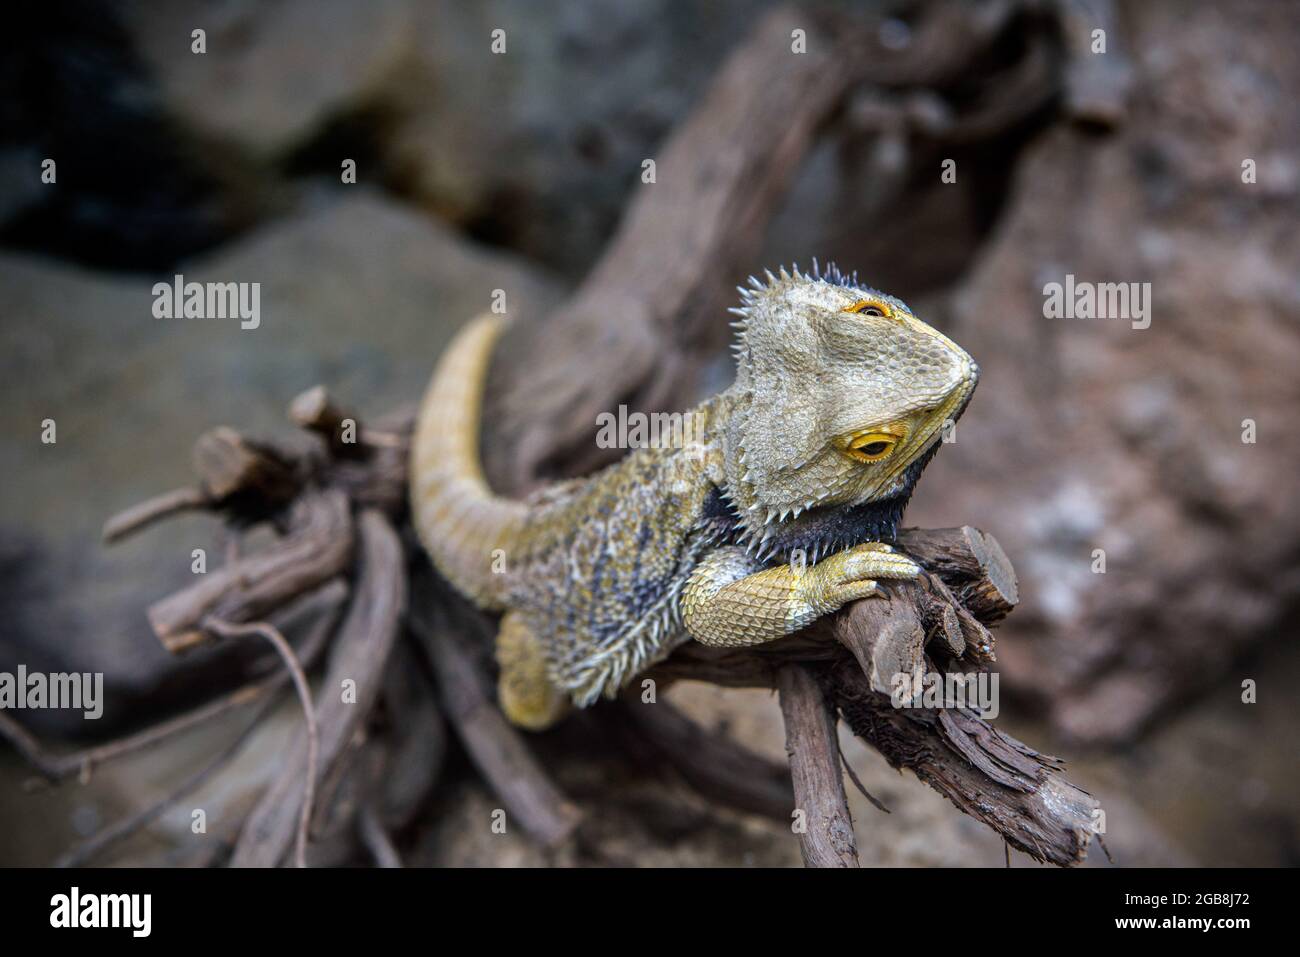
<point x="132" y="185"/>
<point x="534" y="149"/>
<point x="1220" y="779"/>
<point x="538" y="147"/>
<point x="1090" y="434"/>
<point x="275" y="71"/>
<point x="361" y="295"/>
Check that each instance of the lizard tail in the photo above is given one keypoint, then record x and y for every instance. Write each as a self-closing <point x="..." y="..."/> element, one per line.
<point x="465" y="528"/>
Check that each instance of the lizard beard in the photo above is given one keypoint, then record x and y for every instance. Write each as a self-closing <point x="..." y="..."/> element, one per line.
<point x="826" y="529"/>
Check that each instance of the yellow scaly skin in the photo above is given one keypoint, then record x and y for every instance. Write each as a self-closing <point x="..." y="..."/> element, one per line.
<point x="779" y="511"/>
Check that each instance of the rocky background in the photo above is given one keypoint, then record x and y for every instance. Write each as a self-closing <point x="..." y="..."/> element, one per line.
<point x="477" y="171"/>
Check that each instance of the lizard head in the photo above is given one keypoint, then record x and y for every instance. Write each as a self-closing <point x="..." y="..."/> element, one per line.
<point x="842" y="398"/>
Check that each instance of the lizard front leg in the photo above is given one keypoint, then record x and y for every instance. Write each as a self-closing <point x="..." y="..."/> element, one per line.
<point x="733" y="600"/>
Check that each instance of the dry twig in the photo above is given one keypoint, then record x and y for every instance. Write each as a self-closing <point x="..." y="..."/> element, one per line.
<point x="227" y="629"/>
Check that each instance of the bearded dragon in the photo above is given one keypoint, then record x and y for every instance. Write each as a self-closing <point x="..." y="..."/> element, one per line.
<point x="781" y="510"/>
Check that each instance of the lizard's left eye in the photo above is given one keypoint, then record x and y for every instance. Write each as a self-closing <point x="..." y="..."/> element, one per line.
<point x="872" y="447"/>
<point x="871" y="307"/>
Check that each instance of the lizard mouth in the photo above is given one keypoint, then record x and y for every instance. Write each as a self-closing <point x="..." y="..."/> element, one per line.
<point x="929" y="432"/>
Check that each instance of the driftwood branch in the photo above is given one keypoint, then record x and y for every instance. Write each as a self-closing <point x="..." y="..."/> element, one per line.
<point x="316" y="549"/>
<point x="376" y="839"/>
<point x="418" y="739"/>
<point x="497" y="749"/>
<point x="974" y="561"/>
<point x="858" y="656"/>
<point x="225" y="629"/>
<point x="351" y="686"/>
<point x="989" y="775"/>
<point x="323" y="606"/>
<point x="825" y="827"/>
<point x="712" y="764"/>
<point x="120" y="830"/>
<point x="156" y="509"/>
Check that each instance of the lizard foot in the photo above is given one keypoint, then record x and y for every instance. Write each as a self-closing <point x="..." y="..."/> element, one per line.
<point x="525" y="692"/>
<point x="852" y="574"/>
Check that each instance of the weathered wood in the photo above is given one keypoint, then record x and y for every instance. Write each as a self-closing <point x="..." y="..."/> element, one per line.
<point x="137" y="517"/>
<point x="322" y="606"/>
<point x="123" y="828"/>
<point x="946" y="633"/>
<point x="821" y="811"/>
<point x="497" y="750"/>
<point x="417" y="739"/>
<point x="885" y="637"/>
<point x="230" y="464"/>
<point x="989" y="775"/>
<point x="712" y="764"/>
<point x="376" y="839"/>
<point x="942" y="609"/>
<point x="316" y="549"/>
<point x="271" y="634"/>
<point x="359" y="656"/>
<point x="315" y="411"/>
<point x="972" y="562"/>
<point x="378" y="481"/>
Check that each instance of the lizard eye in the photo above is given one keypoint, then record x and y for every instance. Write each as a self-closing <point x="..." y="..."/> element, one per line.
<point x="871" y="307"/>
<point x="872" y="446"/>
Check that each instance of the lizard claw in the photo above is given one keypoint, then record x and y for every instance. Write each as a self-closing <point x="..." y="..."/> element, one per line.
<point x="874" y="560"/>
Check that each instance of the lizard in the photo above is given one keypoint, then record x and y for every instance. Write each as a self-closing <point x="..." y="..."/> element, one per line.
<point x="783" y="507"/>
